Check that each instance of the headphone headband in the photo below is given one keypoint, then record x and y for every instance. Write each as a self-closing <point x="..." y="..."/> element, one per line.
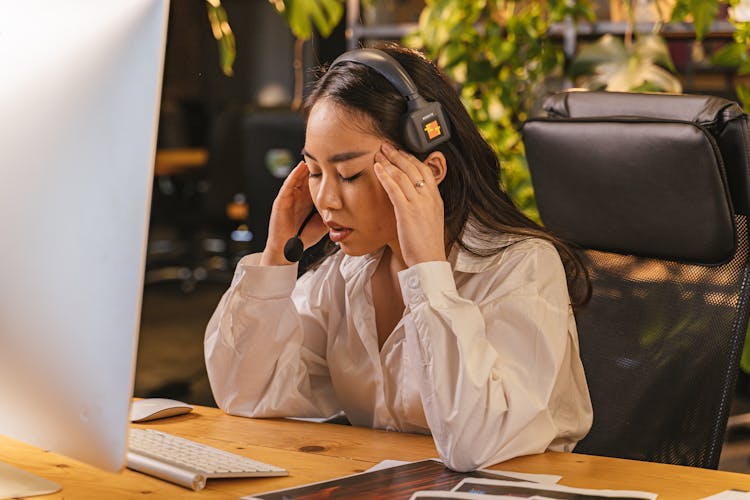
<point x="386" y="66"/>
<point x="424" y="125"/>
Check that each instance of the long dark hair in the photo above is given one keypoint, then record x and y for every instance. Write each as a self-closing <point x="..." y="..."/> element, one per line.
<point x="471" y="188"/>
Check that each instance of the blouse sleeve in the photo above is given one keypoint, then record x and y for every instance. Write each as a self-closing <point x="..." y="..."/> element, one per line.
<point x="500" y="371"/>
<point x="265" y="354"/>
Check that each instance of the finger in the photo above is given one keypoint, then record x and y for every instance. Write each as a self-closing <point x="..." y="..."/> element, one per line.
<point x="413" y="176"/>
<point x="296" y="181"/>
<point x="297" y="178"/>
<point x="426" y="172"/>
<point x="294" y="196"/>
<point x="405" y="173"/>
<point x="392" y="188"/>
<point x="415" y="184"/>
<point x="389" y="154"/>
<point x="415" y="169"/>
<point x="405" y="183"/>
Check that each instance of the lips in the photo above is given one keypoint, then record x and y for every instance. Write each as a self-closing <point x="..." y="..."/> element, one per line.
<point x="337" y="232"/>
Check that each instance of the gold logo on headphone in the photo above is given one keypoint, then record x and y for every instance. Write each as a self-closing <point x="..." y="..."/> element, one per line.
<point x="432" y="129"/>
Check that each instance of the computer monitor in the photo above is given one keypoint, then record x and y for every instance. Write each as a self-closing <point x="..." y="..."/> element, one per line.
<point x="79" y="100"/>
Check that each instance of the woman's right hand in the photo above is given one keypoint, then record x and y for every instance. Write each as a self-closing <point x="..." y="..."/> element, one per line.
<point x="291" y="206"/>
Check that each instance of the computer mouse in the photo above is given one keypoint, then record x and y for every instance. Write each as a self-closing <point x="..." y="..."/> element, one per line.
<point x="147" y="409"/>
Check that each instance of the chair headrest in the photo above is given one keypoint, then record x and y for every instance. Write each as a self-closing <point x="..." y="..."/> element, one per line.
<point x="642" y="174"/>
<point x="709" y="111"/>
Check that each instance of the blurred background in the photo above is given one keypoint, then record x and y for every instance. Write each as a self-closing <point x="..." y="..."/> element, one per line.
<point x="229" y="131"/>
<point x="225" y="144"/>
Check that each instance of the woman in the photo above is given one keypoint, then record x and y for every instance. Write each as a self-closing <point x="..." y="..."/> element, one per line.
<point x="444" y="310"/>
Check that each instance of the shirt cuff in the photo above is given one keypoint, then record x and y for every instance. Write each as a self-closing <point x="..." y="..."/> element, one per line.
<point x="421" y="281"/>
<point x="265" y="282"/>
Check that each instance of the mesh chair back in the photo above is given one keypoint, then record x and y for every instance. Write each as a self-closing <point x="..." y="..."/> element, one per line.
<point x="662" y="335"/>
<point x="660" y="343"/>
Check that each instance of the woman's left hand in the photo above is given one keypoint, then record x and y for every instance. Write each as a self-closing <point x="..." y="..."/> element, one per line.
<point x="413" y="191"/>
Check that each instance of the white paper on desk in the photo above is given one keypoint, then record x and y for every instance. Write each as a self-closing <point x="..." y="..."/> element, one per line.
<point x="534" y="490"/>
<point x="521" y="476"/>
<point x="730" y="495"/>
<point x="386" y="464"/>
<point x="401" y="480"/>
<point x="453" y="495"/>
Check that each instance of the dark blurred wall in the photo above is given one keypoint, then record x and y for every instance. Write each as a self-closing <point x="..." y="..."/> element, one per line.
<point x="195" y="89"/>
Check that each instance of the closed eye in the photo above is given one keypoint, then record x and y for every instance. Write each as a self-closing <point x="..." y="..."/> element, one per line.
<point x="315" y="175"/>
<point x="352" y="178"/>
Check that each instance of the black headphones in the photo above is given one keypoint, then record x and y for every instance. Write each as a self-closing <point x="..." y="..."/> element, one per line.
<point x="424" y="126"/>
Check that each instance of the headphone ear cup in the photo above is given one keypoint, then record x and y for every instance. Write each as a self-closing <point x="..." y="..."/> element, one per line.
<point x="425" y="127"/>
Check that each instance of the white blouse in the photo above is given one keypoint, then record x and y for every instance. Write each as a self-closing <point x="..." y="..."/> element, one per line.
<point x="485" y="357"/>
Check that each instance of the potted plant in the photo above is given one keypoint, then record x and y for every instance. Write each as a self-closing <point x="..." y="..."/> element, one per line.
<point x="502" y="59"/>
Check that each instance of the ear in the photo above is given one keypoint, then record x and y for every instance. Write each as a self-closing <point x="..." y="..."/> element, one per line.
<point x="436" y="162"/>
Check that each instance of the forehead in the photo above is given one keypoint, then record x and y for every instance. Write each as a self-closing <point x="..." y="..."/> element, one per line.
<point x="329" y="118"/>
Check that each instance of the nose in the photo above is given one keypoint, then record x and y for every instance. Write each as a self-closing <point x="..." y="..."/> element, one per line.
<point x="328" y="196"/>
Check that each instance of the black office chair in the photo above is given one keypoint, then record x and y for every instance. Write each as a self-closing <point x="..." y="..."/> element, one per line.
<point x="272" y="142"/>
<point x="250" y="153"/>
<point x="654" y="189"/>
<point x="223" y="236"/>
<point x="174" y="203"/>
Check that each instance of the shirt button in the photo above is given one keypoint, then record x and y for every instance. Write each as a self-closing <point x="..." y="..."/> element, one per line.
<point x="413" y="282"/>
<point x="416" y="299"/>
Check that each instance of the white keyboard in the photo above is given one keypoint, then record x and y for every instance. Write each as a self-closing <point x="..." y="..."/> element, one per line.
<point x="188" y="463"/>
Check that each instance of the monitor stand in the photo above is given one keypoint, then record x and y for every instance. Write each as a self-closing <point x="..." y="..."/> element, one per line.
<point x="17" y="483"/>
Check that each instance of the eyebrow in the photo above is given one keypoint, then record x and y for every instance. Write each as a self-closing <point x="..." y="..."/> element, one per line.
<point x="339" y="157"/>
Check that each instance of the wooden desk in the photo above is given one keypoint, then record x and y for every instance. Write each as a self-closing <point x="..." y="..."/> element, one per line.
<point x="170" y="161"/>
<point x="315" y="452"/>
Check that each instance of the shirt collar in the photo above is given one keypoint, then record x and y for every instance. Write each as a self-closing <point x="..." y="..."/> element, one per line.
<point x="466" y="262"/>
<point x="352" y="265"/>
<point x="459" y="259"/>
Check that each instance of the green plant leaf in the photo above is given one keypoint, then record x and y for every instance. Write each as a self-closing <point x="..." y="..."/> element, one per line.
<point x="653" y="48"/>
<point x="502" y="57"/>
<point x="681" y="10"/>
<point x="607" y="49"/>
<point x="223" y="34"/>
<point x="730" y="55"/>
<point x="704" y="14"/>
<point x="303" y="15"/>
<point x="609" y="65"/>
<point x="743" y="94"/>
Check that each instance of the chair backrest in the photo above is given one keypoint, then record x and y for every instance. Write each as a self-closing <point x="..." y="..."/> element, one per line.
<point x="223" y="174"/>
<point x="272" y="143"/>
<point x="653" y="188"/>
